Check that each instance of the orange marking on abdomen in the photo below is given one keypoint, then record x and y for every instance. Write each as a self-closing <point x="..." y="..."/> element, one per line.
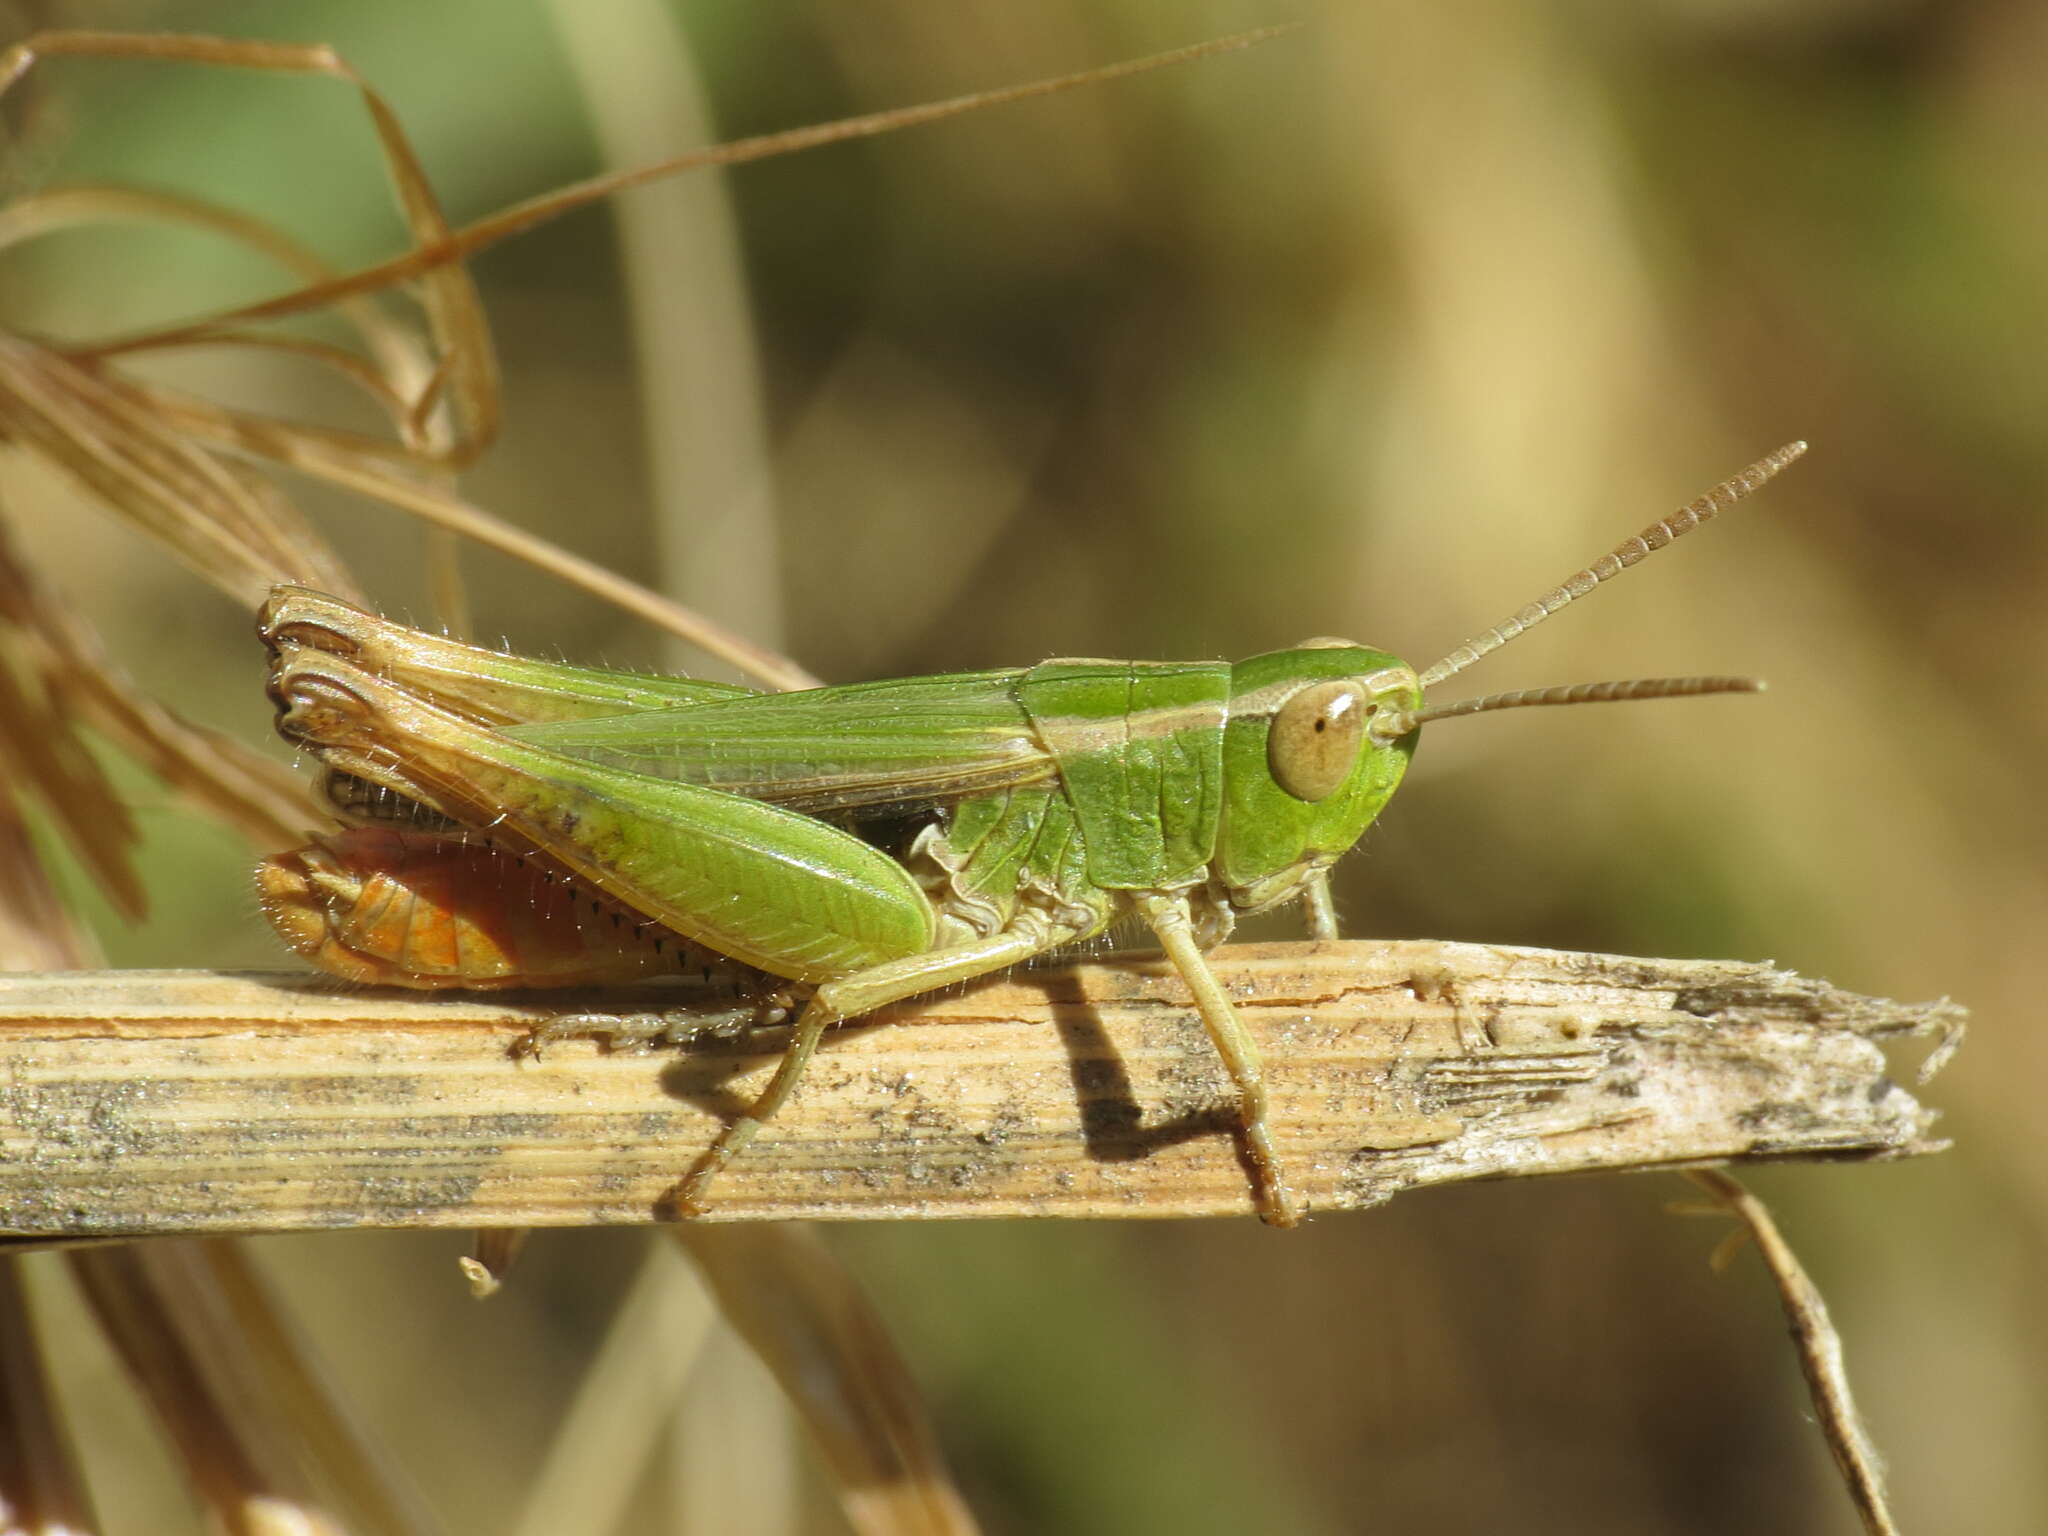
<point x="430" y="909"/>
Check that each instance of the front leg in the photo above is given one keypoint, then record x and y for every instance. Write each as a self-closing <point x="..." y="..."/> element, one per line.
<point x="1318" y="909"/>
<point x="1168" y="914"/>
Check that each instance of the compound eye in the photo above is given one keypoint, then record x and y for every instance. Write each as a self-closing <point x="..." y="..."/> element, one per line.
<point x="1314" y="743"/>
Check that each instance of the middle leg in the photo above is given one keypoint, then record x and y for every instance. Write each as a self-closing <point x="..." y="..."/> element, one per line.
<point x="848" y="998"/>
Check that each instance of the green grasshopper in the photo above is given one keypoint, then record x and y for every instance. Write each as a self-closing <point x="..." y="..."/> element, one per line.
<point x="880" y="840"/>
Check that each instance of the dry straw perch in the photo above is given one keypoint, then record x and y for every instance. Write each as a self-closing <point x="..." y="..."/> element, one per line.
<point x="193" y="1101"/>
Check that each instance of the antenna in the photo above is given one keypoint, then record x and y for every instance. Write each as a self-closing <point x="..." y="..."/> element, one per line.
<point x="1393" y="725"/>
<point x="1613" y="563"/>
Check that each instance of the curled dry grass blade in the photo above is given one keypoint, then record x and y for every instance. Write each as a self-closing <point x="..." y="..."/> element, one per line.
<point x="171" y="463"/>
<point x="467" y="375"/>
<point x="148" y="453"/>
<point x="262" y="1437"/>
<point x="399" y="370"/>
<point x="523" y="216"/>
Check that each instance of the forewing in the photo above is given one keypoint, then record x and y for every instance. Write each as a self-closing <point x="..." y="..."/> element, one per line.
<point x="491" y="687"/>
<point x="898" y="744"/>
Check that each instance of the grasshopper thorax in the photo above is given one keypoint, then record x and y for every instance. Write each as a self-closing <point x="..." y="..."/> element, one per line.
<point x="1304" y="773"/>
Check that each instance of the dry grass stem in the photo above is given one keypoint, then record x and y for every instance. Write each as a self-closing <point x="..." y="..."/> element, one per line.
<point x="1820" y="1353"/>
<point x="41" y="1493"/>
<point x="602" y="1447"/>
<point x="182" y="1101"/>
<point x="704" y="437"/>
<point x="812" y="1325"/>
<point x="234" y="1393"/>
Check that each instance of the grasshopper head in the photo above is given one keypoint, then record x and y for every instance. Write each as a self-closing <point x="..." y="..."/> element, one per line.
<point x="1304" y="772"/>
<point x="1319" y="736"/>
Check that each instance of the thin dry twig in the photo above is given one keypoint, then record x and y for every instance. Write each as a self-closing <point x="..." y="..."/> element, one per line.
<point x="520" y="217"/>
<point x="1820" y="1352"/>
<point x="146" y="1102"/>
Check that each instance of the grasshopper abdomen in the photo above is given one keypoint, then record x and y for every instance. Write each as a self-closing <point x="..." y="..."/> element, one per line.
<point x="433" y="910"/>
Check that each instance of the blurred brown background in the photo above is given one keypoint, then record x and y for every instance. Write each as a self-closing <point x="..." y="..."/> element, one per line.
<point x="1374" y="331"/>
